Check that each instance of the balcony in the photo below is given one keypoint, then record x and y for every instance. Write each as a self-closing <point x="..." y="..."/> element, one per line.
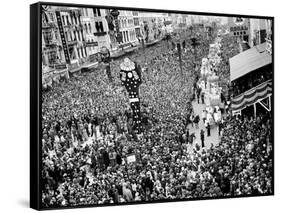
<point x="100" y="33"/>
<point x="51" y="43"/>
<point x="74" y="42"/>
<point x="48" y="25"/>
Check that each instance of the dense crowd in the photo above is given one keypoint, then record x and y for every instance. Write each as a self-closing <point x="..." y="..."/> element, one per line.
<point x="88" y="143"/>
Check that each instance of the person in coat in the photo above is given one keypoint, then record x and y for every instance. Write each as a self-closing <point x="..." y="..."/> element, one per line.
<point x="202" y="136"/>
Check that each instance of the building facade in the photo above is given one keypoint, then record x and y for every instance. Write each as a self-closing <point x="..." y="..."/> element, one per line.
<point x="239" y="28"/>
<point x="260" y="31"/>
<point x="53" y="58"/>
<point x="152" y="25"/>
<point x="72" y="31"/>
<point x="52" y="52"/>
<point x="127" y="28"/>
<point x="95" y="29"/>
<point x="137" y="24"/>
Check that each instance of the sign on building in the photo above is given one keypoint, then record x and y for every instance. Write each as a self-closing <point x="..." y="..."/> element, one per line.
<point x="63" y="39"/>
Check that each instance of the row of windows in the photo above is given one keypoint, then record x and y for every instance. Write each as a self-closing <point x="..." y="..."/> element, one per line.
<point x="67" y="20"/>
<point x="74" y="35"/>
<point x="88" y="28"/>
<point x="96" y="11"/>
<point x="51" y="57"/>
<point x="81" y="52"/>
<point x="239" y="33"/>
<point x="136" y="22"/>
<point x="98" y="25"/>
<point x="123" y="23"/>
<point x="47" y="35"/>
<point x="135" y="13"/>
<point x="128" y="36"/>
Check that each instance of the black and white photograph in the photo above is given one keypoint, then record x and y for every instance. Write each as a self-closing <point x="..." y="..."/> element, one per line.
<point x="147" y="106"/>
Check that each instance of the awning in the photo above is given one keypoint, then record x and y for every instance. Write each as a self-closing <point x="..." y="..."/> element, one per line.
<point x="131" y="49"/>
<point x="153" y="42"/>
<point x="89" y="65"/>
<point x="251" y="96"/>
<point x="248" y="61"/>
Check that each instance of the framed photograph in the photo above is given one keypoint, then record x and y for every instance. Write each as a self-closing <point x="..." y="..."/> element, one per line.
<point x="135" y="106"/>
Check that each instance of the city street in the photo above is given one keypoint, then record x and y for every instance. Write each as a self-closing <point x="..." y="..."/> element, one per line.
<point x="214" y="138"/>
<point x="118" y="97"/>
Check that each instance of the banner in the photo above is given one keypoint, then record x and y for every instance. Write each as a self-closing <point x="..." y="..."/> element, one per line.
<point x="63" y="39"/>
<point x="131" y="159"/>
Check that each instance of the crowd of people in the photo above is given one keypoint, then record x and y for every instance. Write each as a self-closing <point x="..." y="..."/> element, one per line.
<point x="90" y="154"/>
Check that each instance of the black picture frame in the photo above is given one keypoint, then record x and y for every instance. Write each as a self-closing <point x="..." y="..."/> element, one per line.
<point x="36" y="101"/>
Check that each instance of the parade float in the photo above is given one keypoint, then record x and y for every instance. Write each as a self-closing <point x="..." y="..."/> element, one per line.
<point x="209" y="81"/>
<point x="130" y="76"/>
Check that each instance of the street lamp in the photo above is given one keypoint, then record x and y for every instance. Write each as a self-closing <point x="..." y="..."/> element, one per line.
<point x="178" y="45"/>
<point x="105" y="58"/>
<point x="115" y="13"/>
<point x="194" y="44"/>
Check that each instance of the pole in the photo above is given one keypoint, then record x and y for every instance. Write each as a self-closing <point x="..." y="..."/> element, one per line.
<point x="180" y="61"/>
<point x="255" y="110"/>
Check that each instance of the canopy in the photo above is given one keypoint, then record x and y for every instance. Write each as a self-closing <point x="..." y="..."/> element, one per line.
<point x="251" y="96"/>
<point x="248" y="61"/>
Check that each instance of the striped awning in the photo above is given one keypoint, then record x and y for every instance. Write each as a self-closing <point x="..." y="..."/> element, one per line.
<point x="251" y="96"/>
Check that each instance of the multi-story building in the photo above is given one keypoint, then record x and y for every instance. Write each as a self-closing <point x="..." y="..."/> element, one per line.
<point x="152" y="25"/>
<point x="72" y="32"/>
<point x="260" y="31"/>
<point x="52" y="51"/>
<point x="53" y="58"/>
<point x="251" y="72"/>
<point x="101" y="31"/>
<point x="127" y="28"/>
<point x="87" y="20"/>
<point x="96" y="32"/>
<point x="137" y="24"/>
<point x="239" y="28"/>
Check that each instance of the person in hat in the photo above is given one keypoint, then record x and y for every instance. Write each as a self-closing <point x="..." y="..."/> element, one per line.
<point x="208" y="129"/>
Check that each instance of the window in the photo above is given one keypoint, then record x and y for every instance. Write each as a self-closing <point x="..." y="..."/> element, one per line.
<point x="52" y="57"/>
<point x="262" y="36"/>
<point x="89" y="27"/>
<point x="82" y="38"/>
<point x="67" y="20"/>
<point x="124" y="36"/>
<point x="51" y="17"/>
<point x="66" y="36"/>
<point x="73" y="36"/>
<point x="136" y="21"/>
<point x="127" y="36"/>
<point x="81" y="51"/>
<point x="85" y="51"/>
<point x="74" y="21"/>
<point x="86" y="28"/>
<point x="99" y="26"/>
<point x="72" y="52"/>
<point x="62" y="18"/>
<point x="47" y="37"/>
<point x="96" y="12"/>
